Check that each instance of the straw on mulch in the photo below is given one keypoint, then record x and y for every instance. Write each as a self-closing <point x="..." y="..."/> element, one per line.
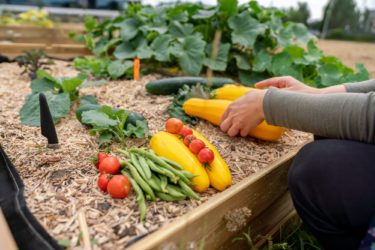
<point x="61" y="183"/>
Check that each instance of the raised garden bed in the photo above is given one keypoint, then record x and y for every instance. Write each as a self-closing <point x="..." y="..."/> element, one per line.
<point x="60" y="183"/>
<point x="16" y="39"/>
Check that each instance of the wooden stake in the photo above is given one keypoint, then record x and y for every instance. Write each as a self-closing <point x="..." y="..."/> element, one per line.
<point x="84" y="230"/>
<point x="6" y="239"/>
<point x="214" y="52"/>
<point x="137" y="68"/>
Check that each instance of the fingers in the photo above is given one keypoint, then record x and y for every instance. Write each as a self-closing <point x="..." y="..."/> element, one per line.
<point x="234" y="130"/>
<point x="245" y="131"/>
<point x="278" y="82"/>
<point x="225" y="115"/>
<point x="225" y="125"/>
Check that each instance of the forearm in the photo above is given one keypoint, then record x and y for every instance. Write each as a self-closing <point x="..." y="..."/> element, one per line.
<point x="361" y="87"/>
<point x="342" y="115"/>
<point x="358" y="87"/>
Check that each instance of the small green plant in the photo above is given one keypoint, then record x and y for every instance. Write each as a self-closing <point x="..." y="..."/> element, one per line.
<point x="60" y="92"/>
<point x="299" y="238"/>
<point x="104" y="67"/>
<point x="111" y="124"/>
<point x="33" y="60"/>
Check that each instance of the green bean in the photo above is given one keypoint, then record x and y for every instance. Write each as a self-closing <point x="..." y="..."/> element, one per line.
<point x="161" y="163"/>
<point x="175" y="192"/>
<point x="141" y="182"/>
<point x="126" y="153"/>
<point x="172" y="163"/>
<point x="140" y="197"/>
<point x="137" y="165"/>
<point x="188" y="174"/>
<point x="163" y="183"/>
<point x="145" y="167"/>
<point x="188" y="191"/>
<point x="167" y="197"/>
<point x="162" y="171"/>
<point x="154" y="183"/>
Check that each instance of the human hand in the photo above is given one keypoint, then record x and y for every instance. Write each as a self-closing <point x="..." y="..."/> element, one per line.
<point x="287" y="83"/>
<point x="243" y="114"/>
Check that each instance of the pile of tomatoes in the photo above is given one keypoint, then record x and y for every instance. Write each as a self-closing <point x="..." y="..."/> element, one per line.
<point x="196" y="146"/>
<point x="117" y="185"/>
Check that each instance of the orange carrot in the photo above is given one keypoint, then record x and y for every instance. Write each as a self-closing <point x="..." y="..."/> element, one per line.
<point x="137" y="66"/>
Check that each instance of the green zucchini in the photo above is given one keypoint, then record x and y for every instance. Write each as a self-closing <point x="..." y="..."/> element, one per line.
<point x="170" y="86"/>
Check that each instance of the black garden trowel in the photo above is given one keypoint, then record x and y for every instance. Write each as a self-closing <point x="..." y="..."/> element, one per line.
<point x="46" y="123"/>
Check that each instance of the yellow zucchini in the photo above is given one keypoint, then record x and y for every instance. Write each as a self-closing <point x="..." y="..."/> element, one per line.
<point x="212" y="110"/>
<point x="230" y="92"/>
<point x="171" y="147"/>
<point x="218" y="172"/>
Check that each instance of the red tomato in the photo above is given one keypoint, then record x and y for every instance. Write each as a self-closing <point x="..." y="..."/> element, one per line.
<point x="188" y="139"/>
<point x="174" y="125"/>
<point x="101" y="156"/>
<point x="206" y="155"/>
<point x="103" y="181"/>
<point x="185" y="131"/>
<point x="110" y="165"/>
<point x="196" y="146"/>
<point x="119" y="187"/>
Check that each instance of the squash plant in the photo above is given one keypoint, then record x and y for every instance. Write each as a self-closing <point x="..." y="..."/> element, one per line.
<point x="255" y="43"/>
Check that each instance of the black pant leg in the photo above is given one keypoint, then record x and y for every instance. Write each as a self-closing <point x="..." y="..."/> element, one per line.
<point x="332" y="183"/>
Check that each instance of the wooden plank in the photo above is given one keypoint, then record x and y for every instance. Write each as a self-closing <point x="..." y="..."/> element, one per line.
<point x="61" y="51"/>
<point x="6" y="239"/>
<point x="206" y="224"/>
<point x="32" y="34"/>
<point x="268" y="223"/>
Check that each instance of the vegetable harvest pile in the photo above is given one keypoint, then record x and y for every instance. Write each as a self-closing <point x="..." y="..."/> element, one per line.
<point x="179" y="161"/>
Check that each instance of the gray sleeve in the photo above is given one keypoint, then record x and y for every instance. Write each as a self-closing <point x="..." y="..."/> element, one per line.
<point x="361" y="87"/>
<point x="342" y="116"/>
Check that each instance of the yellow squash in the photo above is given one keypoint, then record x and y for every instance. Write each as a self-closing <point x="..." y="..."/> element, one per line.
<point x="230" y="92"/>
<point x="218" y="172"/>
<point x="171" y="147"/>
<point x="212" y="110"/>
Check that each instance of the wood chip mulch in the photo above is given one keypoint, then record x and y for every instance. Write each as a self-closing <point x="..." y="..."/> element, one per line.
<point x="61" y="183"/>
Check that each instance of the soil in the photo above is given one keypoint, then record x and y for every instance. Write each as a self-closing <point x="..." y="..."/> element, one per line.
<point x="60" y="184"/>
<point x="351" y="53"/>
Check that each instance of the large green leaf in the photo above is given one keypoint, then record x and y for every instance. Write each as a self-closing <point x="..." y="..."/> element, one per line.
<point x="190" y="54"/>
<point x="330" y="74"/>
<point x="361" y="75"/>
<point x="130" y="49"/>
<point x="262" y="61"/>
<point x="245" y="29"/>
<point x="250" y="78"/>
<point x="221" y="60"/>
<point x="242" y="61"/>
<point x="295" y="51"/>
<point x="160" y="47"/>
<point x="118" y="68"/>
<point x="59" y="106"/>
<point x="178" y="29"/>
<point x="204" y="14"/>
<point x="130" y="28"/>
<point x="97" y="119"/>
<point x="282" y="65"/>
<point x="229" y="7"/>
<point x="42" y="85"/>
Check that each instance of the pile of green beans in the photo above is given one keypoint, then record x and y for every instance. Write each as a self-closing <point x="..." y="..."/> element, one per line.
<point x="154" y="177"/>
